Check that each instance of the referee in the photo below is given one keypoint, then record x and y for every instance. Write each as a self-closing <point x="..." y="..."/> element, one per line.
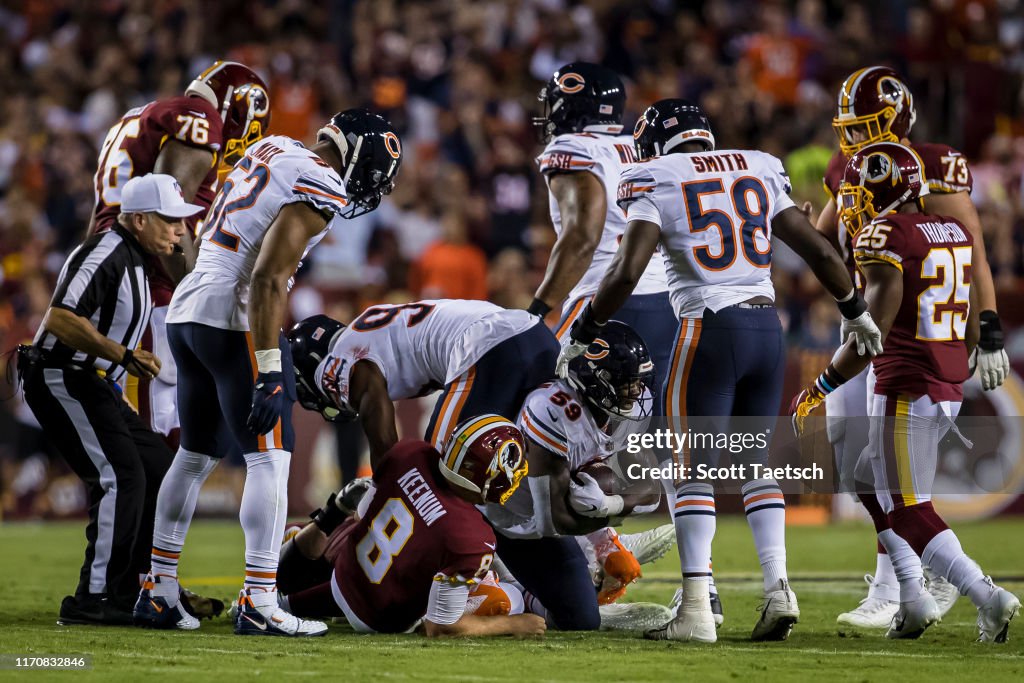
<point x="70" y="374"/>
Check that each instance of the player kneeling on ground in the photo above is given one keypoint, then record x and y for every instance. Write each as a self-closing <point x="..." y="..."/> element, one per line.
<point x="419" y="544"/>
<point x="918" y="273"/>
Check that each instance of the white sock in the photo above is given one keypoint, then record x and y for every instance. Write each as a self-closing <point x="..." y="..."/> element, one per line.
<point x="884" y="571"/>
<point x="766" y="514"/>
<point x="694" y="517"/>
<point x="263" y="513"/>
<point x="696" y="594"/>
<point x="906" y="565"/>
<point x="946" y="558"/>
<point x="175" y="505"/>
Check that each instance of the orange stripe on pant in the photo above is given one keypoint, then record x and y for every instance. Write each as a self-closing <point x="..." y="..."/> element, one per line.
<point x="563" y="329"/>
<point x="679" y="375"/>
<point x="448" y="417"/>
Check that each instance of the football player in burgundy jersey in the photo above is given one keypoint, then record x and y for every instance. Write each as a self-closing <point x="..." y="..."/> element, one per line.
<point x="875" y="106"/>
<point x="918" y="270"/>
<point x="418" y="543"/>
<point x="223" y="111"/>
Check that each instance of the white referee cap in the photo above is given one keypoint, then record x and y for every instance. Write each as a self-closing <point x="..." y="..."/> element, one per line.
<point x="156" y="193"/>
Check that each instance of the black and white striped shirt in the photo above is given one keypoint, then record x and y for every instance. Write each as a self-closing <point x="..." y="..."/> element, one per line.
<point x="103" y="280"/>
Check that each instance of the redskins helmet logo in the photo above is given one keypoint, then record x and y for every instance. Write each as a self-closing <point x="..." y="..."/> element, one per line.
<point x="393" y="145"/>
<point x="256" y="98"/>
<point x="877" y="167"/>
<point x="891" y="91"/>
<point x="597" y="355"/>
<point x="570" y="83"/>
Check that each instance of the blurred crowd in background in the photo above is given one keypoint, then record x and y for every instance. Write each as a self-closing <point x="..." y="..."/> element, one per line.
<point x="459" y="78"/>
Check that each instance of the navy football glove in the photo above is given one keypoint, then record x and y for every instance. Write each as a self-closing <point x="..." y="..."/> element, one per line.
<point x="267" y="402"/>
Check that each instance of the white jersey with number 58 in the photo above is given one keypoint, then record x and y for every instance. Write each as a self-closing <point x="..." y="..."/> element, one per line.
<point x="715" y="211"/>
<point x="275" y="172"/>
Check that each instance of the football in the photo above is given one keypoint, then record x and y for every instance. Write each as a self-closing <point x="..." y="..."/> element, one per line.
<point x="603" y="474"/>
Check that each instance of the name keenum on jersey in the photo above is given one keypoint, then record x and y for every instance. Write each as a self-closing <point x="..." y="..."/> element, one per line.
<point x="419" y="493"/>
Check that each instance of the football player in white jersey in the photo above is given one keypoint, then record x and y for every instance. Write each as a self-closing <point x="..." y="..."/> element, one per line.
<point x="235" y="379"/>
<point x="585" y="152"/>
<point x="570" y="424"/>
<point x="713" y="213"/>
<point x="486" y="359"/>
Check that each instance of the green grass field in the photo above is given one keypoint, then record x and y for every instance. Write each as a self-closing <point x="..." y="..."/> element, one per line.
<point x="39" y="564"/>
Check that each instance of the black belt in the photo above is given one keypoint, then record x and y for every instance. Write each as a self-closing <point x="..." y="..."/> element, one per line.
<point x="31" y="357"/>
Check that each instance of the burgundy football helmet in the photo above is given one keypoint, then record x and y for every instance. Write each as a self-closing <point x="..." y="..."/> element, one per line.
<point x="486" y="455"/>
<point x="876" y="103"/>
<point x="242" y="99"/>
<point x="878" y="180"/>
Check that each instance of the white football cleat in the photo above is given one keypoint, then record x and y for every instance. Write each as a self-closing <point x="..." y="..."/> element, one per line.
<point x="945" y="593"/>
<point x="260" y="615"/>
<point x="914" y="617"/>
<point x="633" y="616"/>
<point x="779" y="612"/>
<point x="872" y="613"/>
<point x="648" y="546"/>
<point x="690" y="626"/>
<point x="995" y="615"/>
<point x="694" y="621"/>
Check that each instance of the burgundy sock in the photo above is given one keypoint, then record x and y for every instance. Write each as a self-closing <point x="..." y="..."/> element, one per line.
<point x="917" y="524"/>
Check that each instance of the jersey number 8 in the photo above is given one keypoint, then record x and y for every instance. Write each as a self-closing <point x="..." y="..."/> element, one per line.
<point x="389" y="531"/>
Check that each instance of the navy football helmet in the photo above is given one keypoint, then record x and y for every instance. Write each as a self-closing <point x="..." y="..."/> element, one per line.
<point x="310" y="342"/>
<point x="615" y="375"/>
<point x="371" y="152"/>
<point x="666" y="124"/>
<point x="579" y="95"/>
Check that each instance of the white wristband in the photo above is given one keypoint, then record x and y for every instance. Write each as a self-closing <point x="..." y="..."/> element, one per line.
<point x="268" y="360"/>
<point x="614" y="504"/>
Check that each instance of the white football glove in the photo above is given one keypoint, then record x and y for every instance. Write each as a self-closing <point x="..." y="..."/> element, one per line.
<point x="865" y="332"/>
<point x="589" y="500"/>
<point x="568" y="352"/>
<point x="993" y="367"/>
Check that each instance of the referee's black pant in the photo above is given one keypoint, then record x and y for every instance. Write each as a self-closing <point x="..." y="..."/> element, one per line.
<point x="121" y="462"/>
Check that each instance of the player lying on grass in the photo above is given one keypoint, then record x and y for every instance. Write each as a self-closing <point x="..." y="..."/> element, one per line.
<point x="917" y="269"/>
<point x="570" y="424"/>
<point x="418" y="545"/>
